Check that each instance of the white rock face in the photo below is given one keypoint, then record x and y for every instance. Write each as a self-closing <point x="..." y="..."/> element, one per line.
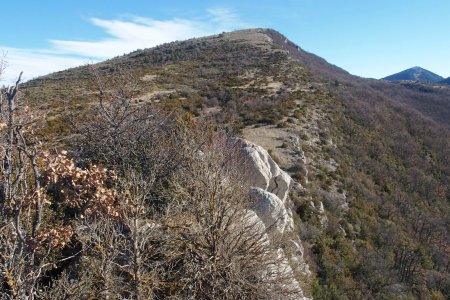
<point x="283" y="269"/>
<point x="280" y="185"/>
<point x="284" y="265"/>
<point x="272" y="211"/>
<point x="270" y="190"/>
<point x="257" y="225"/>
<point x="296" y="251"/>
<point x="264" y="172"/>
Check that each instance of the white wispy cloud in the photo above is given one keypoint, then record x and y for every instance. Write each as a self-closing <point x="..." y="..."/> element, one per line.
<point x="121" y="36"/>
<point x="225" y="16"/>
<point x="35" y="62"/>
<point x="126" y="36"/>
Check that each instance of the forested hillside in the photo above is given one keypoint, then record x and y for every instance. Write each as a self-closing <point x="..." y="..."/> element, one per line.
<point x="370" y="161"/>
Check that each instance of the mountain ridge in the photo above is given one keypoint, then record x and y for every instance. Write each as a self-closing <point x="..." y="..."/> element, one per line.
<point x="369" y="157"/>
<point x="265" y="40"/>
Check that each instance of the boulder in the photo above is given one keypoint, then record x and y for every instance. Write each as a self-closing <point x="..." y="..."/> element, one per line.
<point x="272" y="211"/>
<point x="280" y="185"/>
<point x="263" y="171"/>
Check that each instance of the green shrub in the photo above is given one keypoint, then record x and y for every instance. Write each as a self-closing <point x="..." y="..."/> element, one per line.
<point x="300" y="177"/>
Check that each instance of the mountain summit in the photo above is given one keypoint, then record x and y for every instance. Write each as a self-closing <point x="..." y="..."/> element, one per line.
<point x="415" y="73"/>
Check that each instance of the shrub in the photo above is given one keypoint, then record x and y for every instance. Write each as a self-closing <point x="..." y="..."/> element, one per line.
<point x="300" y="177"/>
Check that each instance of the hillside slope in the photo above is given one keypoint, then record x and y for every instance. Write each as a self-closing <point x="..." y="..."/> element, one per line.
<point x="370" y="158"/>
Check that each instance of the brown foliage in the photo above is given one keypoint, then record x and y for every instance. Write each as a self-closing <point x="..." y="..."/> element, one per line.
<point x="82" y="190"/>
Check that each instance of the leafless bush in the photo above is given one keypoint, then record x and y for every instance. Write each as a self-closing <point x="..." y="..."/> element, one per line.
<point x="121" y="134"/>
<point x="220" y="248"/>
<point x="26" y="251"/>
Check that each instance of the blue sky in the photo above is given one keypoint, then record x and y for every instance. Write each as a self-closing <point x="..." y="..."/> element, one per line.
<point x="367" y="38"/>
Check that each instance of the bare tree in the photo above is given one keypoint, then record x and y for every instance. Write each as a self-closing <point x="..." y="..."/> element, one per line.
<point x="121" y="134"/>
<point x="22" y="200"/>
<point x="28" y="243"/>
<point x="120" y="247"/>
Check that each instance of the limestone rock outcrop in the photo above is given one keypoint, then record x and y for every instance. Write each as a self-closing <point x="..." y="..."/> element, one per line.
<point x="264" y="171"/>
<point x="272" y="211"/>
<point x="269" y="191"/>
